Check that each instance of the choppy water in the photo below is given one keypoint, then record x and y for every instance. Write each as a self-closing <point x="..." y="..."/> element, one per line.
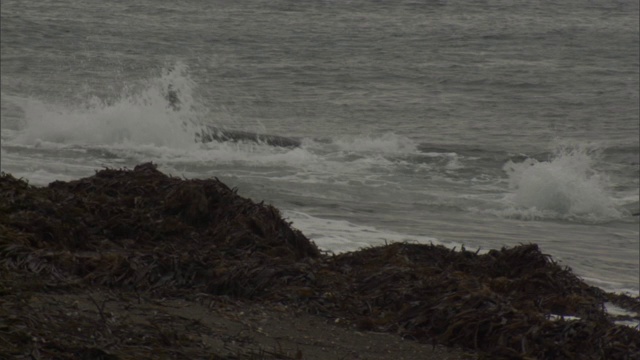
<point x="483" y="123"/>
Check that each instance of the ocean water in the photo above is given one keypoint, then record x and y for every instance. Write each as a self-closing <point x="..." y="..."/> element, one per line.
<point x="465" y="123"/>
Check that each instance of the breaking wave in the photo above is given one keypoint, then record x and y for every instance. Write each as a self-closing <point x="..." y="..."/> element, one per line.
<point x="137" y="116"/>
<point x="567" y="186"/>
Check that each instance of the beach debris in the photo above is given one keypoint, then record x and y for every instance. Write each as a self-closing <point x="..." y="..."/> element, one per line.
<point x="145" y="232"/>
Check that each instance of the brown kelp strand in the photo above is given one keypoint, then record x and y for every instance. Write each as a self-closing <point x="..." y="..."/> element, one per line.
<point x="141" y="231"/>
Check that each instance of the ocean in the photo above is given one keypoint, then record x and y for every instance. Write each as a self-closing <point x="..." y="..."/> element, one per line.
<point x="480" y="124"/>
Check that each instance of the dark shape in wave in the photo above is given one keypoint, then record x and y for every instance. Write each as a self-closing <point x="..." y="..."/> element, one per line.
<point x="211" y="133"/>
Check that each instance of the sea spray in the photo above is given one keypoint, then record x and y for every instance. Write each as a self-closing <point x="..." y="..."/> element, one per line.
<point x="565" y="186"/>
<point x="140" y="114"/>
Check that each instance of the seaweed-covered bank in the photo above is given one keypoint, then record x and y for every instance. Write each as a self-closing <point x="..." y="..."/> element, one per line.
<point x="132" y="263"/>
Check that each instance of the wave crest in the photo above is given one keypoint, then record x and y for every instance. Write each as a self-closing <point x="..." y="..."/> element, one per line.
<point x="142" y="114"/>
<point x="565" y="186"/>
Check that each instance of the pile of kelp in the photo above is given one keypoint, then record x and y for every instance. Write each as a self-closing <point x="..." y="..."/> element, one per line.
<point x="143" y="231"/>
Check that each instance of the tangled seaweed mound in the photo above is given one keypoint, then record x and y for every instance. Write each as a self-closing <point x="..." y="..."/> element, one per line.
<point x="144" y="231"/>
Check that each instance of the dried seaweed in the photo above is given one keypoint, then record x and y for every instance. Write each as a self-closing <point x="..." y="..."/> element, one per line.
<point x="140" y="230"/>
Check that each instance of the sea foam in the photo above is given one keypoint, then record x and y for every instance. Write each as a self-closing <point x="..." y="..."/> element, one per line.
<point x="342" y="236"/>
<point x="564" y="186"/>
<point x="140" y="115"/>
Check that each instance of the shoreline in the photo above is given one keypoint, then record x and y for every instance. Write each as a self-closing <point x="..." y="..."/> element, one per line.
<point x="138" y="239"/>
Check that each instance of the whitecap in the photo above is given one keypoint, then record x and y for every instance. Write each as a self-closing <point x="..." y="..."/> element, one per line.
<point x="565" y="186"/>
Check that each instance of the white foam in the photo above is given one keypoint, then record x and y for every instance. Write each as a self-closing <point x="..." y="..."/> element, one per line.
<point x="141" y="125"/>
<point x="618" y="311"/>
<point x="42" y="171"/>
<point x="565" y="186"/>
<point x="140" y="116"/>
<point x="342" y="236"/>
<point x="610" y="309"/>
